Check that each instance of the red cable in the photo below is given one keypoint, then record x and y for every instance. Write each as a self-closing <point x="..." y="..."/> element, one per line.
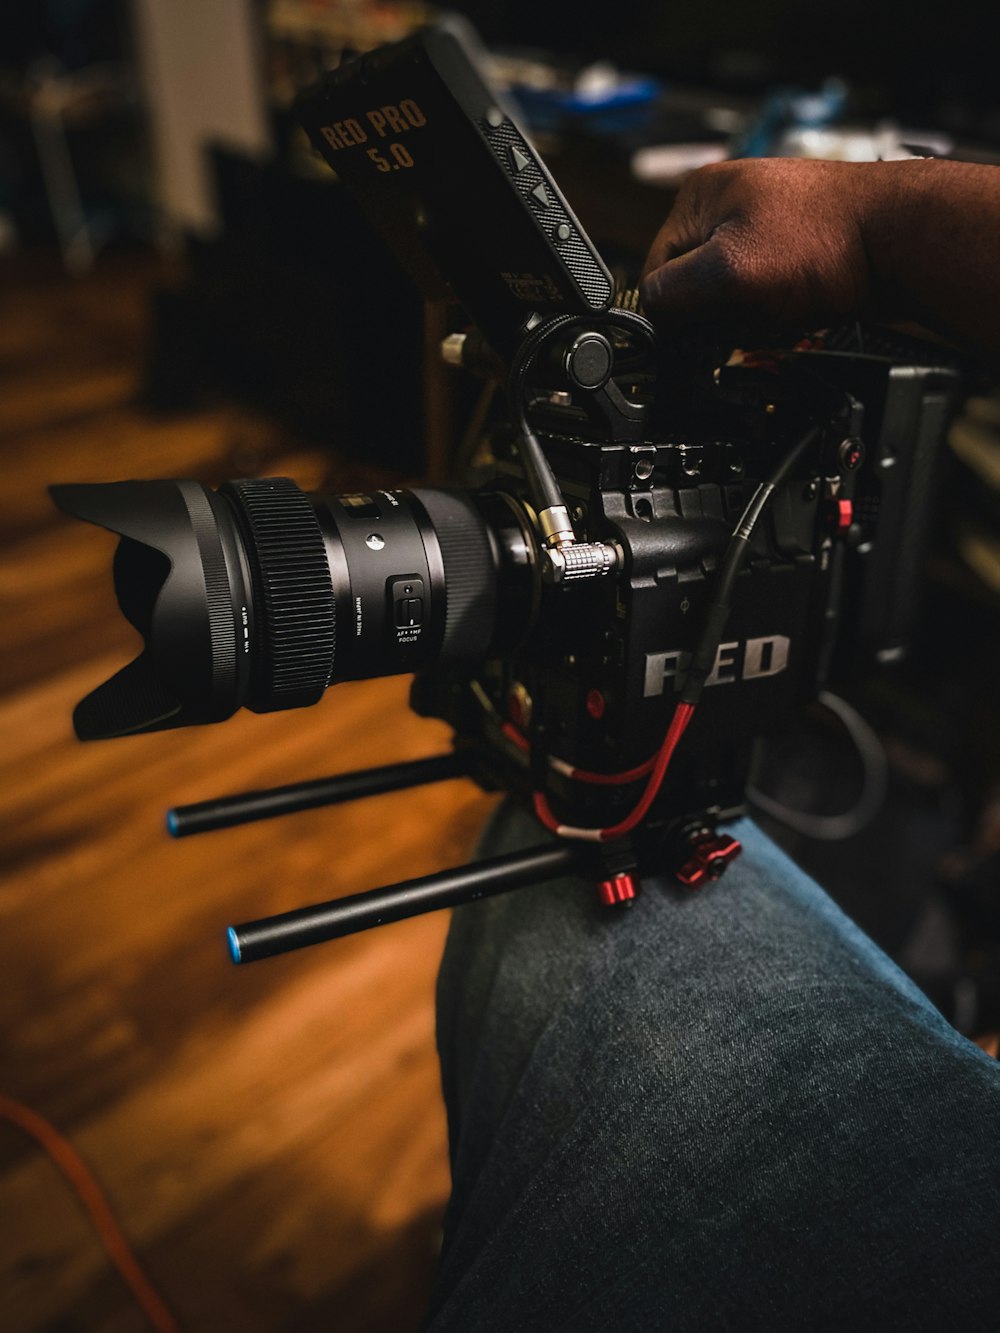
<point x="93" y="1199"/>
<point x="584" y="774"/>
<point x="515" y="737"/>
<point x="678" y="724"/>
<point x="614" y="779"/>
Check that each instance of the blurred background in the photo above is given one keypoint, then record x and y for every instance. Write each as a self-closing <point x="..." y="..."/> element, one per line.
<point x="186" y="291"/>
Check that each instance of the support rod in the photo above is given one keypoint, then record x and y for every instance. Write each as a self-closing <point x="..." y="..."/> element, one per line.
<point x="345" y="916"/>
<point x="245" y="808"/>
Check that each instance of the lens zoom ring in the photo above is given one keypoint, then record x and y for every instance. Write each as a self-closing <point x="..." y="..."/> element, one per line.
<point x="296" y="627"/>
<point x="469" y="573"/>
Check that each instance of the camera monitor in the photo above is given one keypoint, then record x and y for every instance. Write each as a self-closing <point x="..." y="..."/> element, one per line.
<point x="449" y="178"/>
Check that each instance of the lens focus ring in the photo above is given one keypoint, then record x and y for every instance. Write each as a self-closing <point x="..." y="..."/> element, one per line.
<point x="293" y="594"/>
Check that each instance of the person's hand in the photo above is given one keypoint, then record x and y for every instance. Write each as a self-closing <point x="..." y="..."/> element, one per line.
<point x="787" y="245"/>
<point x="774" y="244"/>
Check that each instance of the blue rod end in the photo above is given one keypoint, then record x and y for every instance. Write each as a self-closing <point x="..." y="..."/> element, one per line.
<point x="235" y="952"/>
<point x="172" y="823"/>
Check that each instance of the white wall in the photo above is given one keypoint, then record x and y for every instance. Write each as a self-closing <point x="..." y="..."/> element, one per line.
<point x="200" y="72"/>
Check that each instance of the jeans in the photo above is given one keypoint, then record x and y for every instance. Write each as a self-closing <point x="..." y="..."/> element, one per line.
<point x="726" y="1109"/>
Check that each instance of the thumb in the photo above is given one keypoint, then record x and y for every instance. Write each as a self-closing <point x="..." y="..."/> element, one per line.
<point x="701" y="286"/>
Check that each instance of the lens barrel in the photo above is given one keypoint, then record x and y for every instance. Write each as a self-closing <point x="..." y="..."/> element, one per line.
<point x="260" y="595"/>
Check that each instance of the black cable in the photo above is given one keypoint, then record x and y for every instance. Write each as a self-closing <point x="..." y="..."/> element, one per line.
<point x="737" y="553"/>
<point x="542" y="485"/>
<point x="544" y="488"/>
<point x="836" y="828"/>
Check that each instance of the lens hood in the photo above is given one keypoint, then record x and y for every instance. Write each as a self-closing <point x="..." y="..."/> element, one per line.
<point x="181" y="580"/>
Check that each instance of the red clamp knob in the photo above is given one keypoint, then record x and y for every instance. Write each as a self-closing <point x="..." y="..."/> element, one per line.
<point x="620" y="891"/>
<point x="840" y="515"/>
<point x="712" y="852"/>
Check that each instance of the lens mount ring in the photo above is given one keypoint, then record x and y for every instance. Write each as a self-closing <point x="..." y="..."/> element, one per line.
<point x="293" y="593"/>
<point x="469" y="570"/>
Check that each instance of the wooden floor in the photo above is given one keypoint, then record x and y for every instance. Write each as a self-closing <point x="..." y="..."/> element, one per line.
<point x="271" y="1136"/>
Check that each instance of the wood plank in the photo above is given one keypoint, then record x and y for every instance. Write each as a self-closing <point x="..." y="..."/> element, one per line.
<point x="271" y="1136"/>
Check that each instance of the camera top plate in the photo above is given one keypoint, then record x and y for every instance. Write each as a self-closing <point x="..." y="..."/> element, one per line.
<point x="438" y="162"/>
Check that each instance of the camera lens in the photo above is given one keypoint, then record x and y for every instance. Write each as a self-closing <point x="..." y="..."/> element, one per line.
<point x="260" y="595"/>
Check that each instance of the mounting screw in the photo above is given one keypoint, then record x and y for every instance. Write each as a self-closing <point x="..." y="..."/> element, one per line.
<point x="811" y="489"/>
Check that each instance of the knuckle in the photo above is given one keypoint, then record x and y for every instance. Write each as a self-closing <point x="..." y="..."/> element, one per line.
<point x="736" y="260"/>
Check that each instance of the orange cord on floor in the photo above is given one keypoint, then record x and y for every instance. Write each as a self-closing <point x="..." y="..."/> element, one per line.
<point x="93" y="1199"/>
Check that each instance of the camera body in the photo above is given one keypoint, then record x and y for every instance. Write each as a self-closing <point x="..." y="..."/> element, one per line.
<point x="828" y="590"/>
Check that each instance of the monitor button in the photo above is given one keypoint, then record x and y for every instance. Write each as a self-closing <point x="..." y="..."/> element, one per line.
<point x="518" y="159"/>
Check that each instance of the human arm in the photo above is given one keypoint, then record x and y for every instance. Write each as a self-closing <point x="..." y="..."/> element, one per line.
<point x="790" y="244"/>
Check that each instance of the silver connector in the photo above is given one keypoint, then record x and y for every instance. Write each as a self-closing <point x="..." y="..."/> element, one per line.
<point x="557" y="529"/>
<point x="578" y="560"/>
